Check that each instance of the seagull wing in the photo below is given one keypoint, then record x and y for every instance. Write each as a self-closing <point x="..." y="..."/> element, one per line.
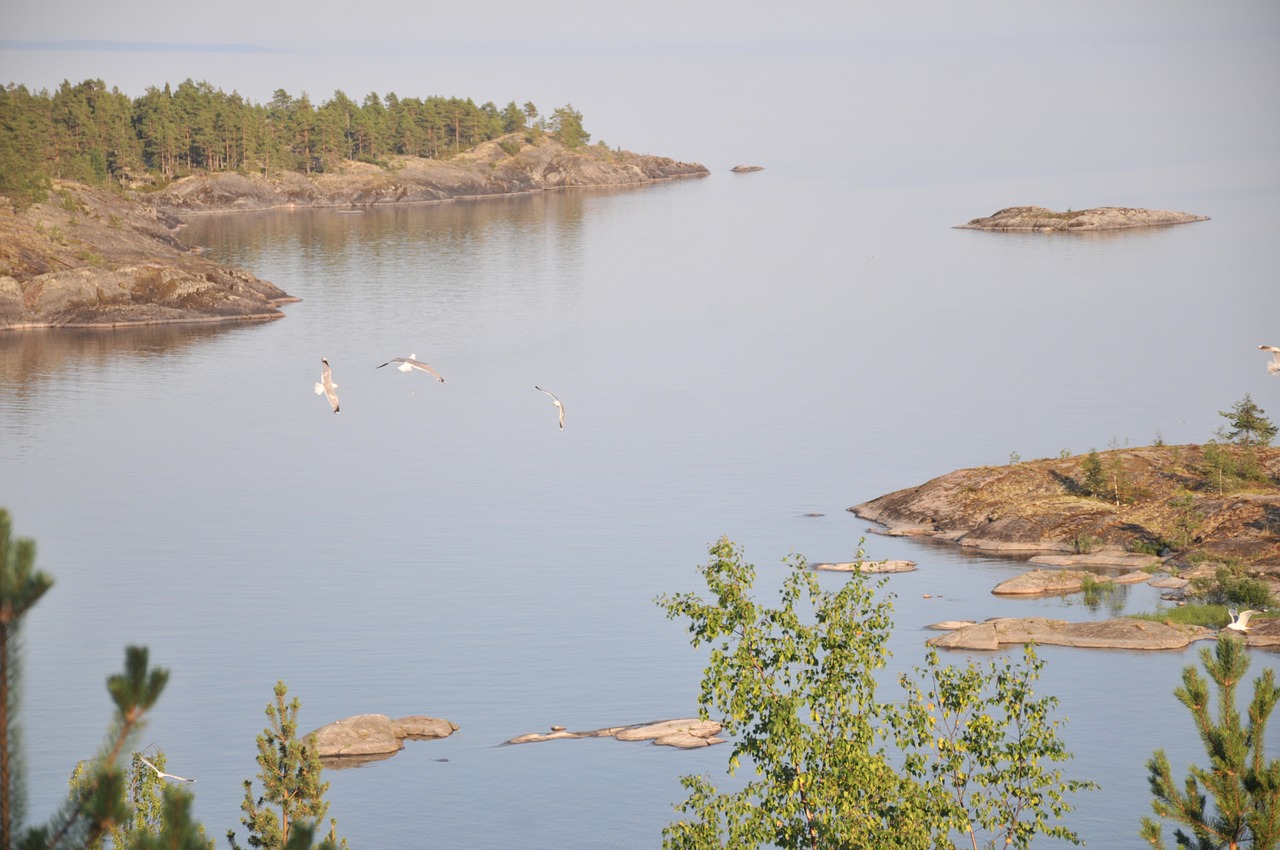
<point x="555" y="401"/>
<point x="330" y="388"/>
<point x="425" y="367"/>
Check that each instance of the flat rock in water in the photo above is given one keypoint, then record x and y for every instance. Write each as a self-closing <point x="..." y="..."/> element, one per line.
<point x="1119" y="633"/>
<point x="869" y="567"/>
<point x="951" y="625"/>
<point x="1098" y="218"/>
<point x="362" y="735"/>
<point x="1170" y="582"/>
<point x="743" y="169"/>
<point x="1118" y="560"/>
<point x="1043" y="581"/>
<point x="376" y="734"/>
<point x="688" y="733"/>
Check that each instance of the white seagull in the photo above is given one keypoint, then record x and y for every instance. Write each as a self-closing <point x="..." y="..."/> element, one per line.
<point x="326" y="387"/>
<point x="408" y="364"/>
<point x="1274" y="366"/>
<point x="160" y="773"/>
<point x="554" y="401"/>
<point x="1240" y="622"/>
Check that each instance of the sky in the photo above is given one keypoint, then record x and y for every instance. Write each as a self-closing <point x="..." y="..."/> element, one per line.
<point x="695" y="80"/>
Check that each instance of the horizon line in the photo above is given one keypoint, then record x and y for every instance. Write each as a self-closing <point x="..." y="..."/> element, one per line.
<point x="137" y="46"/>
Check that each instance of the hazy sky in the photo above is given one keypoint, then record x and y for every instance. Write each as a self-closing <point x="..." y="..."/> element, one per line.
<point x="1059" y="86"/>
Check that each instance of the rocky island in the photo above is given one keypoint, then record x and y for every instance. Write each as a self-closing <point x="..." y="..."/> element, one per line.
<point x="1157" y="504"/>
<point x="1099" y="218"/>
<point x="87" y="257"/>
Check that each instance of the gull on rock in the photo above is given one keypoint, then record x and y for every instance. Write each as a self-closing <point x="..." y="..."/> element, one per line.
<point x="1240" y="621"/>
<point x="160" y="773"/>
<point x="554" y="401"/>
<point x="326" y="387"/>
<point x="408" y="364"/>
<point x="1274" y="366"/>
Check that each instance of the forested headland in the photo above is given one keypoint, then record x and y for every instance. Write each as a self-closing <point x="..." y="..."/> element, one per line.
<point x="91" y="134"/>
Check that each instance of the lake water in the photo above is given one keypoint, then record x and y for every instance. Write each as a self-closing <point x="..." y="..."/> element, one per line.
<point x="733" y="352"/>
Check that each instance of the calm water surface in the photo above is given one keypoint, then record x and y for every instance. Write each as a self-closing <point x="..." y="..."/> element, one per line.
<point x="733" y="352"/>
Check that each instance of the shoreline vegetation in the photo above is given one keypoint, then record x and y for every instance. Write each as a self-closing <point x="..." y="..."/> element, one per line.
<point x="94" y="185"/>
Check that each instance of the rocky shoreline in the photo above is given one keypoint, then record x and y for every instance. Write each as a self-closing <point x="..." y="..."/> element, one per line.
<point x="1046" y="220"/>
<point x="88" y="258"/>
<point x="1043" y="508"/>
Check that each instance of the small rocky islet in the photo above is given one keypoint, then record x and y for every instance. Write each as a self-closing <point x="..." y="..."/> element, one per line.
<point x="1040" y="510"/>
<point x="1044" y="220"/>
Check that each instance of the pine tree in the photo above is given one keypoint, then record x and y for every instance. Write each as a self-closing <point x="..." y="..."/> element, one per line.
<point x="1249" y="424"/>
<point x="290" y="775"/>
<point x="21" y="586"/>
<point x="1243" y="785"/>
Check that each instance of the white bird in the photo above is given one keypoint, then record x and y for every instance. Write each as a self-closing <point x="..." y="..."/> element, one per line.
<point x="326" y="387"/>
<point x="408" y="364"/>
<point x="1274" y="366"/>
<point x="1240" y="622"/>
<point x="160" y="773"/>
<point x="554" y="401"/>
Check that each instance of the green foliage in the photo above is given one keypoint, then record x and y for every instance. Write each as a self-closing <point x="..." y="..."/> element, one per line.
<point x="1229" y="585"/>
<point x="1095" y="477"/>
<point x="289" y="770"/>
<point x="161" y="816"/>
<point x="1248" y="423"/>
<point x="88" y="133"/>
<point x="1191" y="614"/>
<point x="566" y="127"/>
<point x="977" y="737"/>
<point x="1228" y="468"/>
<point x="21" y="586"/>
<point x="1084" y="544"/>
<point x="1243" y="785"/>
<point x="795" y="687"/>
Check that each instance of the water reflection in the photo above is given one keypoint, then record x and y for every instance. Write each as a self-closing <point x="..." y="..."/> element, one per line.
<point x="31" y="356"/>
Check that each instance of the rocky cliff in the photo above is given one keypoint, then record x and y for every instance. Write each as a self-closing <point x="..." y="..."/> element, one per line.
<point x="1099" y="218"/>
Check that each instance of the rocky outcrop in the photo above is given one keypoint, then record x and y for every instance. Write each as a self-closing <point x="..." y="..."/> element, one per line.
<point x="513" y="164"/>
<point x="746" y="169"/>
<point x="688" y="733"/>
<point x="1042" y="507"/>
<point x="1043" y="583"/>
<point x="376" y="734"/>
<point x="876" y="567"/>
<point x="1120" y="633"/>
<point x="1099" y="218"/>
<point x="89" y="258"/>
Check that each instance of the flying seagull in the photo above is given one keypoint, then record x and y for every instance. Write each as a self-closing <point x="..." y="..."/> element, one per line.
<point x="326" y="387"/>
<point x="1240" y="622"/>
<point x="554" y="401"/>
<point x="160" y="773"/>
<point x="408" y="364"/>
<point x="1274" y="366"/>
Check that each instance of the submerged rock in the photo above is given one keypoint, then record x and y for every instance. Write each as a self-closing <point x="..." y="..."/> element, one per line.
<point x="1119" y="633"/>
<point x="685" y="734"/>
<point x="869" y="567"/>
